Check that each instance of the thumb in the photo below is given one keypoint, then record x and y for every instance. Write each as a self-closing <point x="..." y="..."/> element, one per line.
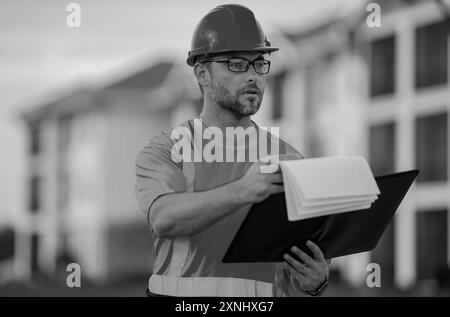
<point x="269" y="165"/>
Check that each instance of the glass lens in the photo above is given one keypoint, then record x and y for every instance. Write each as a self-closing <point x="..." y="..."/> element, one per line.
<point x="261" y="66"/>
<point x="238" y="65"/>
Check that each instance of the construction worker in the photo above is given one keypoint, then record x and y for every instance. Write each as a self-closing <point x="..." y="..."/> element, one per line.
<point x="195" y="207"/>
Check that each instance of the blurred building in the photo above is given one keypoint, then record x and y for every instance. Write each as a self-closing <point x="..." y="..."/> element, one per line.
<point x="407" y="127"/>
<point x="80" y="181"/>
<point x="382" y="93"/>
<point x="338" y="87"/>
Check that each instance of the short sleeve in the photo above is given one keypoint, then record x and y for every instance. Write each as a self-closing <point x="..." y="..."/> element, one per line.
<point x="156" y="173"/>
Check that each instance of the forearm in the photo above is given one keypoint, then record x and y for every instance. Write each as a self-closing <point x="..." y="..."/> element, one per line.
<point x="185" y="214"/>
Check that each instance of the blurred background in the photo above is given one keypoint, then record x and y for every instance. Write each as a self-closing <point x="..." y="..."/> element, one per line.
<point x="77" y="104"/>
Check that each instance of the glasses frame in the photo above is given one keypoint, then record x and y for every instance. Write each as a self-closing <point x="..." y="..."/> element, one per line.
<point x="227" y="60"/>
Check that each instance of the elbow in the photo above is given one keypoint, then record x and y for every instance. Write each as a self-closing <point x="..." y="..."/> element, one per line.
<point x="166" y="228"/>
<point x="161" y="225"/>
<point x="162" y="230"/>
<point x="164" y="223"/>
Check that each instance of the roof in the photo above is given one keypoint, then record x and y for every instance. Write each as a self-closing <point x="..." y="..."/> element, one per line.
<point x="76" y="99"/>
<point x="147" y="79"/>
<point x="79" y="98"/>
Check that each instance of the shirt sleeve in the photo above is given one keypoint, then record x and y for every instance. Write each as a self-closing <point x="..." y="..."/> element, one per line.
<point x="156" y="173"/>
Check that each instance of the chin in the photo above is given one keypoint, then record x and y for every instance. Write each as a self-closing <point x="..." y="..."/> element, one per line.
<point x="250" y="110"/>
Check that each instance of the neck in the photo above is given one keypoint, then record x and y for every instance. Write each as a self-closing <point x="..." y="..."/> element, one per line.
<point x="216" y="116"/>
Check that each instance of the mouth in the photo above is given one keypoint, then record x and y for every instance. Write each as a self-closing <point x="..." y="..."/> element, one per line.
<point x="252" y="92"/>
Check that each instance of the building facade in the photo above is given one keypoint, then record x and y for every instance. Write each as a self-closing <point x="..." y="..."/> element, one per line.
<point x="339" y="87"/>
<point x="382" y="93"/>
<point x="80" y="177"/>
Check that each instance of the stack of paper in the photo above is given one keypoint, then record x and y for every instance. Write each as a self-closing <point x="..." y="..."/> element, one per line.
<point x="330" y="185"/>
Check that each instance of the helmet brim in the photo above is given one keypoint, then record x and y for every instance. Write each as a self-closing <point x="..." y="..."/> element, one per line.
<point x="201" y="52"/>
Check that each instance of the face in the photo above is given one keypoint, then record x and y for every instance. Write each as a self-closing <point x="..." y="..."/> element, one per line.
<point x="240" y="93"/>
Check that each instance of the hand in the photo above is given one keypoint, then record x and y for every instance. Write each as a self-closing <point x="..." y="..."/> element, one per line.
<point x="255" y="186"/>
<point x="312" y="273"/>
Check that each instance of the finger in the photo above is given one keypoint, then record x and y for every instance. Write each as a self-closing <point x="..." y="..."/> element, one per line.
<point x="269" y="168"/>
<point x="296" y="277"/>
<point x="275" y="189"/>
<point x="296" y="264"/>
<point x="303" y="256"/>
<point x="318" y="254"/>
<point x="275" y="178"/>
<point x="293" y="272"/>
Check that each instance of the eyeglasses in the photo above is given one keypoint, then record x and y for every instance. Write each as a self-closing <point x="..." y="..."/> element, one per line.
<point x="241" y="65"/>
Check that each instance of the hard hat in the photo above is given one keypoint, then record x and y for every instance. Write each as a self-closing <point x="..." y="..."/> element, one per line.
<point x="228" y="28"/>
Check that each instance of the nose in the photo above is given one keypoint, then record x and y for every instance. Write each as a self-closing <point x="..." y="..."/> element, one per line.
<point x="251" y="74"/>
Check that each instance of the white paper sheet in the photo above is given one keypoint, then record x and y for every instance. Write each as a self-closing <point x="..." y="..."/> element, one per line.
<point x="322" y="186"/>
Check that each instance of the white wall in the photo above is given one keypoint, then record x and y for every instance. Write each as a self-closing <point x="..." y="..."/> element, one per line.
<point x="128" y="130"/>
<point x="86" y="217"/>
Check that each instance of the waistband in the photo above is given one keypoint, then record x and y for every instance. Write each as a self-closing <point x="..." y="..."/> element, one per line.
<point x="208" y="286"/>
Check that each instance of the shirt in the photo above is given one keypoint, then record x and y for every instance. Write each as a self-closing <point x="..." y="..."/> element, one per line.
<point x="191" y="266"/>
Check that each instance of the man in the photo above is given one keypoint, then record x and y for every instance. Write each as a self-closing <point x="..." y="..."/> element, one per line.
<point x="195" y="207"/>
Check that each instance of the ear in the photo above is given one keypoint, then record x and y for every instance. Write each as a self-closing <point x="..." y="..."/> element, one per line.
<point x="202" y="74"/>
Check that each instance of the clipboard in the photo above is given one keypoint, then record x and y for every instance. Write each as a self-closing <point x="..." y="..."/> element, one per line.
<point x="266" y="233"/>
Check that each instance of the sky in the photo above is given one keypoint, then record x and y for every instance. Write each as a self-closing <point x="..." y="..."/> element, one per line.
<point x="39" y="52"/>
<point x="40" y="55"/>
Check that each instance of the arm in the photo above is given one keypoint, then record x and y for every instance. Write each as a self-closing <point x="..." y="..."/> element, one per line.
<point x="184" y="214"/>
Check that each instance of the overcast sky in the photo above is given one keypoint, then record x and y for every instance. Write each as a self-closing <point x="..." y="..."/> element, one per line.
<point x="39" y="54"/>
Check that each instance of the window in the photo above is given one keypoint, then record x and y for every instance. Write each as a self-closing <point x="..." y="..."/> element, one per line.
<point x="431" y="147"/>
<point x="384" y="254"/>
<point x="34" y="257"/>
<point x="382" y="67"/>
<point x="431" y="242"/>
<point x="7" y="237"/>
<point x="382" y="161"/>
<point x="34" y="194"/>
<point x="382" y="148"/>
<point x="431" y="55"/>
<point x="277" y="101"/>
<point x="35" y="137"/>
